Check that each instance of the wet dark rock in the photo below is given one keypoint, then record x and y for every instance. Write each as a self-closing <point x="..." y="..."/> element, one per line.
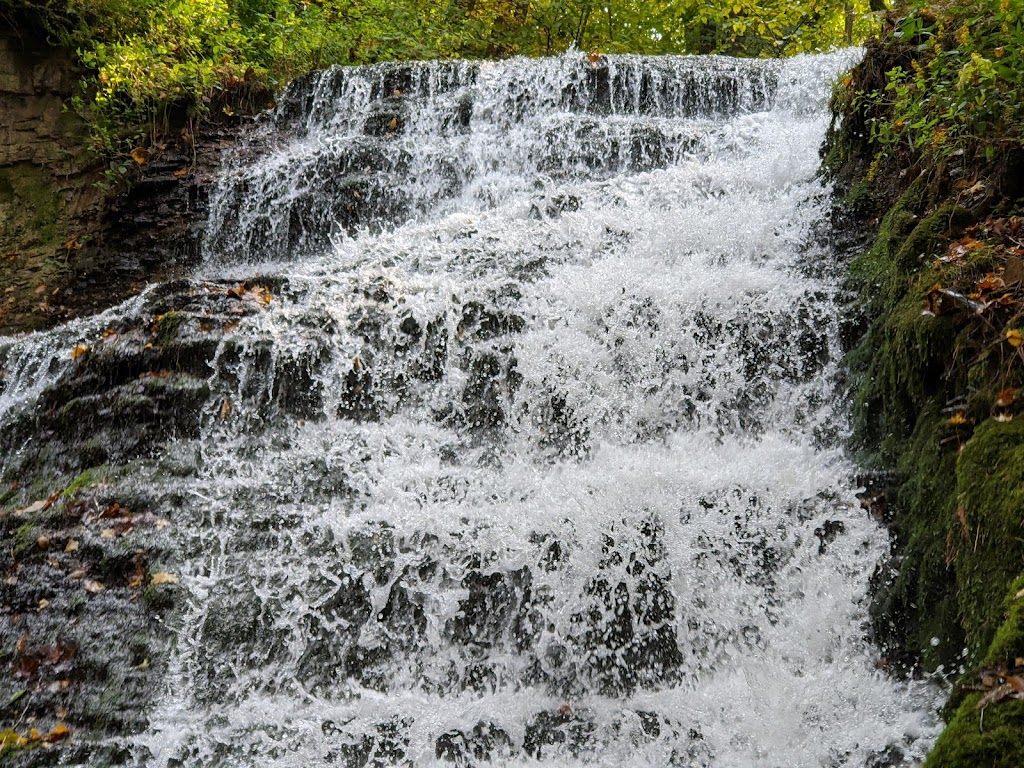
<point x="827" y="533"/>
<point x="562" y="432"/>
<point x="892" y="756"/>
<point x="555" y="206"/>
<point x="491" y="377"/>
<point x="430" y="364"/>
<point x="385" y="748"/>
<point x="483" y="323"/>
<point x="387" y="117"/>
<point x="80" y="633"/>
<point x="297" y="390"/>
<point x="626" y="627"/>
<point x="331" y="634"/>
<point x="486" y="743"/>
<point x="357" y="399"/>
<point x="497" y="611"/>
<point x="563" y="731"/>
<point x="410" y="327"/>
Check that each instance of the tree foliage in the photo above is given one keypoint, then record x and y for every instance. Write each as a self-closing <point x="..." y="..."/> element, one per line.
<point x="141" y="55"/>
<point x="959" y="87"/>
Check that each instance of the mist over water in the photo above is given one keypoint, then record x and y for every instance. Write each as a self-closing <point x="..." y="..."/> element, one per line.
<point x="535" y="454"/>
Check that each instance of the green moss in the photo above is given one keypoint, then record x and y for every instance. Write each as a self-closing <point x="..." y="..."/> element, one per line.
<point x="1008" y="643"/>
<point x="971" y="742"/>
<point x="994" y="739"/>
<point x="8" y="496"/>
<point x="31" y="202"/>
<point x="88" y="479"/>
<point x="10" y="743"/>
<point x="920" y="603"/>
<point x="24" y="539"/>
<point x="166" y="327"/>
<point x="990" y="488"/>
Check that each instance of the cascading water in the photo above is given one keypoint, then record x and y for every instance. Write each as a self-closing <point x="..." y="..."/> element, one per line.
<point x="527" y="445"/>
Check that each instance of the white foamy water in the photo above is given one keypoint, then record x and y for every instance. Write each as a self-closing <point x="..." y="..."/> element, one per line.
<point x="534" y="457"/>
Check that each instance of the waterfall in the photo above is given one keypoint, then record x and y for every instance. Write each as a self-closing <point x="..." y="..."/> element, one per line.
<point x="516" y="433"/>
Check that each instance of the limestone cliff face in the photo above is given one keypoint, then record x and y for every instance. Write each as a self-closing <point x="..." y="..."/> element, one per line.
<point x="35" y="128"/>
<point x="70" y="242"/>
<point x="46" y="177"/>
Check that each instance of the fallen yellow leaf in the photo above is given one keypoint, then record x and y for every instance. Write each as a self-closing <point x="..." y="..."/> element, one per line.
<point x="72" y="546"/>
<point x="81" y="349"/>
<point x="93" y="586"/>
<point x="957" y="419"/>
<point x="60" y="731"/>
<point x="1014" y="337"/>
<point x="163" y="578"/>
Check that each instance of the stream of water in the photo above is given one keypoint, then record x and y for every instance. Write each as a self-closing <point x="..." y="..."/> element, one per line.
<point x="533" y="450"/>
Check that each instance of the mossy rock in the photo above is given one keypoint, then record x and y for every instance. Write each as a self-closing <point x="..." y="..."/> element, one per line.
<point x="970" y="742"/>
<point x="990" y="486"/>
<point x="991" y="736"/>
<point x="920" y="605"/>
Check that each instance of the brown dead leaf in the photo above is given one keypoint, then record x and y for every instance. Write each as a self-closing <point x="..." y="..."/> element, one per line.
<point x="163" y="578"/>
<point x="1006" y="397"/>
<point x="961" y="516"/>
<point x="35" y="506"/>
<point x="78" y="351"/>
<point x="114" y="510"/>
<point x="1013" y="688"/>
<point x="991" y="282"/>
<point x="71" y="546"/>
<point x="140" y="155"/>
<point x="60" y="731"/>
<point x="1013" y="272"/>
<point x="181" y="172"/>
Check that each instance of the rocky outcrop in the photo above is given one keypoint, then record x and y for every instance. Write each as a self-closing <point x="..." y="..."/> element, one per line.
<point x="934" y="380"/>
<point x="78" y="235"/>
<point x="47" y="198"/>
